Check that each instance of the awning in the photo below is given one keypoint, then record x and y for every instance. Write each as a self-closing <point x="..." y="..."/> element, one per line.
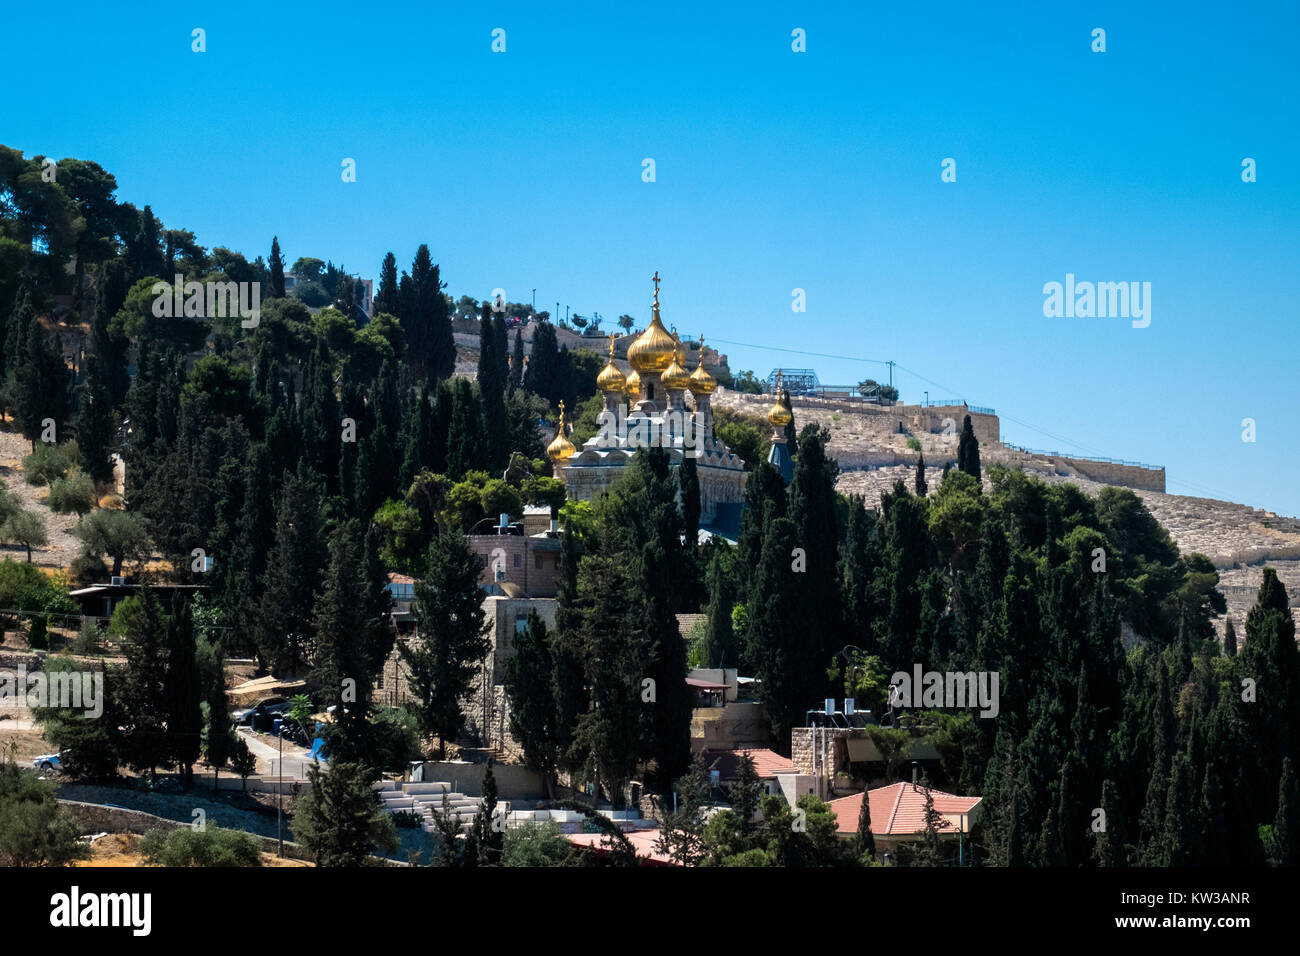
<point x="703" y="684"/>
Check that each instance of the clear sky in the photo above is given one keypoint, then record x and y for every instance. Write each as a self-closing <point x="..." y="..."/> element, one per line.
<point x="775" y="170"/>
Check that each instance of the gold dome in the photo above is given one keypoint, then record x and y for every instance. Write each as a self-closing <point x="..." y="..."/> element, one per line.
<point x="654" y="349"/>
<point x="675" y="377"/>
<point x="778" y="414"/>
<point x="610" y="378"/>
<point x="702" y="383"/>
<point x="633" y="384"/>
<point x="560" y="448"/>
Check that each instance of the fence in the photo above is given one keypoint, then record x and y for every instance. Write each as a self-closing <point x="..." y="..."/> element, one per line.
<point x="1108" y="461"/>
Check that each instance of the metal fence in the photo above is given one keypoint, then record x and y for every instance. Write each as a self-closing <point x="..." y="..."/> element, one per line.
<point x="1109" y="461"/>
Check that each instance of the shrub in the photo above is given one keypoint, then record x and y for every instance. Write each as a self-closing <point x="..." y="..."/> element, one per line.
<point x="73" y="494"/>
<point x="25" y="588"/>
<point x="914" y="443"/>
<point x="34" y="829"/>
<point x="48" y="462"/>
<point x="211" y="846"/>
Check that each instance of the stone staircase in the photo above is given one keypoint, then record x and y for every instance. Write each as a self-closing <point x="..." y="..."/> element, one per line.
<point x="423" y="799"/>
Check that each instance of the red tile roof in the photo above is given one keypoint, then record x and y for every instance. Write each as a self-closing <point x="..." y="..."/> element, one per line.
<point x="643" y="842"/>
<point x="396" y="578"/>
<point x="899" y="809"/>
<point x="767" y="763"/>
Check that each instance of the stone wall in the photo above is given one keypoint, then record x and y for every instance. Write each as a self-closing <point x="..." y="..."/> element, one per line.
<point x="97" y="818"/>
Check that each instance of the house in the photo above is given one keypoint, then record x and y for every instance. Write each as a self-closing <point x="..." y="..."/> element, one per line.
<point x="98" y="601"/>
<point x="898" y="815"/>
<point x="776" y="774"/>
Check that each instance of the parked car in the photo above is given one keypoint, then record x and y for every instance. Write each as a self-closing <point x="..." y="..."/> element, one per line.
<point x="49" y="763"/>
<point x="271" y="707"/>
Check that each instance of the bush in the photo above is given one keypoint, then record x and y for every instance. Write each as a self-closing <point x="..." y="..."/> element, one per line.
<point x="73" y="494"/>
<point x="48" y="462"/>
<point x="536" y="844"/>
<point x="23" y="586"/>
<point x="211" y="846"/>
<point x="914" y="443"/>
<point x="396" y="738"/>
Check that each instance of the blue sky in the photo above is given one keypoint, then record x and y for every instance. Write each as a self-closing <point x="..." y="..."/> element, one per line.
<point x="775" y="170"/>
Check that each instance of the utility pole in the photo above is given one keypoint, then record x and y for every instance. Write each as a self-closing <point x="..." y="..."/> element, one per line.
<point x="891" y="363"/>
<point x="534" y="300"/>
<point x="279" y="796"/>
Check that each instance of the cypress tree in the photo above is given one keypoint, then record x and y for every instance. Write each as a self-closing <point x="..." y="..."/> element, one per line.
<point x="1286" y="823"/>
<point x="921" y="488"/>
<point x="294" y="569"/>
<point x="1229" y="639"/>
<point x="277" y="270"/>
<point x="183" y="691"/>
<point x="340" y="631"/>
<point x="42" y="383"/>
<point x="530" y="687"/>
<point x="386" y="299"/>
<point x="464" y="434"/>
<point x="492" y="387"/>
<point x="517" y="361"/>
<point x="721" y="648"/>
<point x="812" y="512"/>
<point x="866" y="840"/>
<point x="94" y="425"/>
<point x="968" y="450"/>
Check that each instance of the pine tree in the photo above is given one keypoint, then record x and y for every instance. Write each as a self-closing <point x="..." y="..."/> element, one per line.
<point x="451" y="639"/>
<point x="968" y="450"/>
<point x="339" y="819"/>
<point x="277" y="270"/>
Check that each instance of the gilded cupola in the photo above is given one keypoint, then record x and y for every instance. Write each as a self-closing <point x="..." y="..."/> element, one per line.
<point x="654" y="349"/>
<point x="560" y="448"/>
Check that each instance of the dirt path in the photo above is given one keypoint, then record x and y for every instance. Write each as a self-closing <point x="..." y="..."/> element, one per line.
<point x="62" y="547"/>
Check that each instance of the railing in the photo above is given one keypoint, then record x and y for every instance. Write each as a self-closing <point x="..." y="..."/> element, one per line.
<point x="1109" y="461"/>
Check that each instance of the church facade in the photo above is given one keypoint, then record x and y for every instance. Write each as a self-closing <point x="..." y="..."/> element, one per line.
<point x="657" y="403"/>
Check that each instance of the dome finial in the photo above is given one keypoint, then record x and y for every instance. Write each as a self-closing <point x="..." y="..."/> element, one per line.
<point x="560" y="448"/>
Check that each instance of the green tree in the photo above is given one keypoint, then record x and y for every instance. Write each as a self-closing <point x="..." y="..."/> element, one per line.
<point x="968" y="450"/>
<point x="122" y="535"/>
<point x="25" y="529"/>
<point x="452" y="637"/>
<point x="339" y="820"/>
<point x="530" y="689"/>
<point x="34" y="829"/>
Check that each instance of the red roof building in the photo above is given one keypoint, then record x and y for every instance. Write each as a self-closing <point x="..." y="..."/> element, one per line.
<point x="898" y="813"/>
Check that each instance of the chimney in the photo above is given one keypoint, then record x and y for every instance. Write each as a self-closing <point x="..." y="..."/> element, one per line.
<point x="555" y="526"/>
<point x="916" y="767"/>
<point x="505" y="523"/>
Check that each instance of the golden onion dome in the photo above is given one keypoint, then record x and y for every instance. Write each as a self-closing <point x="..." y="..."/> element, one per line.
<point x="675" y="377"/>
<point x="633" y="383"/>
<point x="610" y="378"/>
<point x="702" y="383"/>
<point x="654" y="349"/>
<point x="560" y="448"/>
<point x="778" y="414"/>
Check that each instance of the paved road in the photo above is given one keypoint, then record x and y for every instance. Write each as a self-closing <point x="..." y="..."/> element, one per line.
<point x="296" y="762"/>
